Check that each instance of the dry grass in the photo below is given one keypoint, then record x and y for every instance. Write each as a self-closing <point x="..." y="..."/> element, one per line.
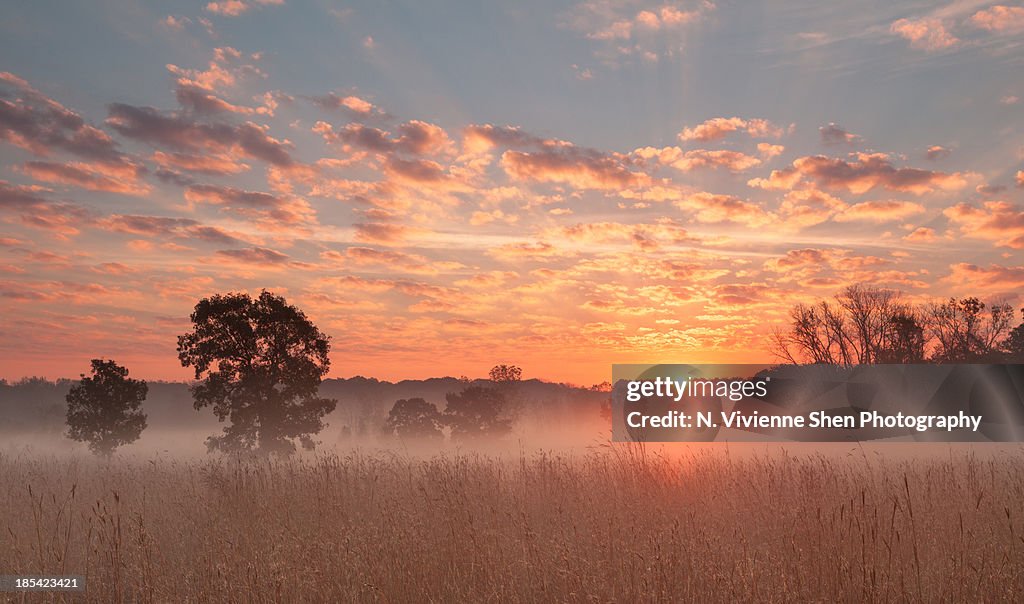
<point x="618" y="525"/>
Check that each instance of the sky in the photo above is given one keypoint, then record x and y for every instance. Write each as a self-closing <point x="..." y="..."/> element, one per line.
<point x="446" y="186"/>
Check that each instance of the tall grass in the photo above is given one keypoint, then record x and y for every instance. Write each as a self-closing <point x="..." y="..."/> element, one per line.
<point x="621" y="524"/>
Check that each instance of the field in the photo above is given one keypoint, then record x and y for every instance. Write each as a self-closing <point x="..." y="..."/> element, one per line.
<point x="616" y="524"/>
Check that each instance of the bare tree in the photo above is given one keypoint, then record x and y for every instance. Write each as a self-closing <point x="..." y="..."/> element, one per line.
<point x="964" y="333"/>
<point x="863" y="325"/>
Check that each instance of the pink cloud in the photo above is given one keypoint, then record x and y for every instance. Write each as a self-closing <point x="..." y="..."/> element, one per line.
<point x="993" y="278"/>
<point x="924" y="34"/>
<point x="111" y="178"/>
<point x="719" y="127"/>
<point x="867" y="171"/>
<point x="1000" y="19"/>
<point x="575" y="166"/>
<point x="997" y="221"/>
<point x="183" y="133"/>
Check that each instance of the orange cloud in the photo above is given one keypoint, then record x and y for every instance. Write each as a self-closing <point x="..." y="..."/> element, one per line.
<point x="734" y="161"/>
<point x="377" y="232"/>
<point x="880" y="211"/>
<point x="808" y="207"/>
<point x="997" y="221"/>
<point x="921" y="235"/>
<point x="720" y="127"/>
<point x="713" y="208"/>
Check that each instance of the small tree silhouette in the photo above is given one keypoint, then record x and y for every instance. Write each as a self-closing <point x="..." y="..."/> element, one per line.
<point x="104" y="410"/>
<point x="505" y="374"/>
<point x="476" y="412"/>
<point x="414" y="418"/>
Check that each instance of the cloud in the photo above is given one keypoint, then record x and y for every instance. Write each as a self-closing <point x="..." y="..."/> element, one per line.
<point x="541" y="251"/>
<point x="223" y="71"/>
<point x="379" y="232"/>
<point x="175" y="23"/>
<point x="936" y="152"/>
<point x="997" y="221"/>
<point x="354" y="105"/>
<point x="110" y="178"/>
<point x="808" y="207"/>
<point x="644" y="236"/>
<point x="365" y="256"/>
<point x="1020" y="178"/>
<point x="270" y="211"/>
<point x="1000" y="19"/>
<point x="415" y="137"/>
<point x="734" y="161"/>
<point x="60" y="218"/>
<point x="714" y="208"/>
<point x="216" y="165"/>
<point x="39" y="124"/>
<point x="833" y="134"/>
<point x="202" y="102"/>
<point x="181" y="132"/>
<point x="575" y="166"/>
<point x="994" y="277"/>
<point x="478" y="138"/>
<point x="255" y="255"/>
<point x="633" y="28"/>
<point x="880" y="211"/>
<point x="867" y="171"/>
<point x="924" y="34"/>
<point x="719" y="127"/>
<point x="768" y="150"/>
<point x="166" y="227"/>
<point x="921" y="235"/>
<point x="234" y="8"/>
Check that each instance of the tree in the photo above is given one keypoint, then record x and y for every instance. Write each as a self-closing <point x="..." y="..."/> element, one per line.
<point x="414" y="418"/>
<point x="964" y="334"/>
<point x="863" y="325"/>
<point x="260" y="363"/>
<point x="505" y="374"/>
<point x="1013" y="346"/>
<point x="476" y="412"/>
<point x="104" y="409"/>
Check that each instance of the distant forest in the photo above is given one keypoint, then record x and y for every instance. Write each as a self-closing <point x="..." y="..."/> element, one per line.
<point x="38" y="405"/>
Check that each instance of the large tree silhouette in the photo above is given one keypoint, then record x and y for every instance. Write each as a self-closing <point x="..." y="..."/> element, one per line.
<point x="476" y="412"/>
<point x="414" y="418"/>
<point x="260" y="363"/>
<point x="104" y="409"/>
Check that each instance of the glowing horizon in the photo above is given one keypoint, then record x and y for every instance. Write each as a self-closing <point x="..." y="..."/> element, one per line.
<point x="443" y="189"/>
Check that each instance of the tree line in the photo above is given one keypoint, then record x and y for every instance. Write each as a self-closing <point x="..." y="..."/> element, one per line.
<point x="868" y="325"/>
